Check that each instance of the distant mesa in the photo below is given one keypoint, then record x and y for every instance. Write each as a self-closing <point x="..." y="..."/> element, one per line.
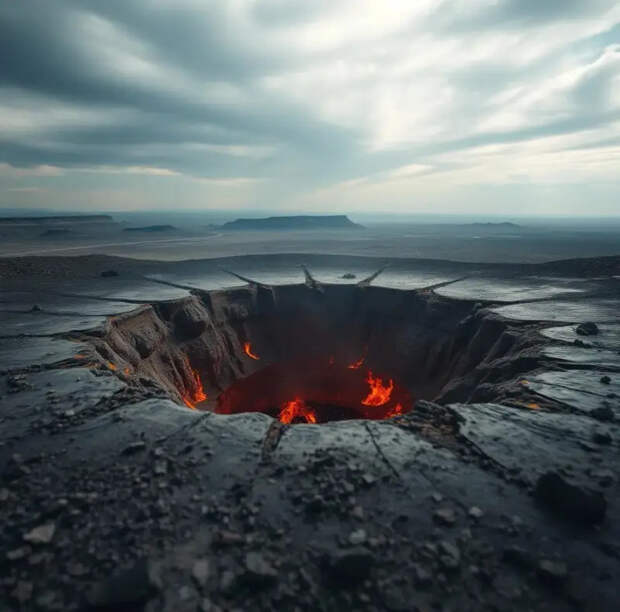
<point x="297" y="222"/>
<point x="151" y="228"/>
<point x="504" y="225"/>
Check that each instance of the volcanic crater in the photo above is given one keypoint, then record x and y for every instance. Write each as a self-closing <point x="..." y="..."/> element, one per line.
<point x="306" y="353"/>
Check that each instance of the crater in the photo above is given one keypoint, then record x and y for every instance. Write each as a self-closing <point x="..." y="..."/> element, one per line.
<point x="316" y="353"/>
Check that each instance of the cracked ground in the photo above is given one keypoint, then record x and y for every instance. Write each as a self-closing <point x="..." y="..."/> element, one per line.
<point x="114" y="495"/>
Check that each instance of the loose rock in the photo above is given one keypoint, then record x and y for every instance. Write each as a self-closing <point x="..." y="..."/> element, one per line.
<point x="258" y="570"/>
<point x="475" y="512"/>
<point x="350" y="565"/>
<point x="552" y="571"/>
<point x="42" y="534"/>
<point x="445" y="516"/>
<point x="134" y="447"/>
<point x="128" y="587"/>
<point x="587" y="329"/>
<point x="450" y="556"/>
<point x="200" y="571"/>
<point x="357" y="537"/>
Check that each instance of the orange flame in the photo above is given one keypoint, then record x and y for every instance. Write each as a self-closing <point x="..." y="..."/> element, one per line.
<point x="197" y="393"/>
<point x="378" y="393"/>
<point x="111" y="366"/>
<point x="127" y="371"/>
<point x="247" y="347"/>
<point x="396" y="411"/>
<point x="358" y="364"/>
<point x="296" y="408"/>
<point x="188" y="403"/>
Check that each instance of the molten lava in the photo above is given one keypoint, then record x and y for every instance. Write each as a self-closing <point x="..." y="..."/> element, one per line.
<point x="297" y="409"/>
<point x="379" y="393"/>
<point x="247" y="348"/>
<point x="321" y="393"/>
<point x="197" y="393"/>
<point x="396" y="411"/>
<point x="188" y="403"/>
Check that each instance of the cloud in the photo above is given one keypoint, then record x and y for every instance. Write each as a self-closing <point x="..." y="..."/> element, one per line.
<point x="298" y="99"/>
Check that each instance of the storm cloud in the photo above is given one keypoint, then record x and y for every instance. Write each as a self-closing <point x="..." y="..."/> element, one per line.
<point x="336" y="105"/>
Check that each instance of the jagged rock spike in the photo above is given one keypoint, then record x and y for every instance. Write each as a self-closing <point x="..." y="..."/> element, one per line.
<point x="245" y="279"/>
<point x="309" y="279"/>
<point x="366" y="281"/>
<point x="311" y="282"/>
<point x="443" y="284"/>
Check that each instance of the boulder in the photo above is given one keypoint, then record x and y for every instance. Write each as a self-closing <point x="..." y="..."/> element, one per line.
<point x="587" y="329"/>
<point x="569" y="501"/>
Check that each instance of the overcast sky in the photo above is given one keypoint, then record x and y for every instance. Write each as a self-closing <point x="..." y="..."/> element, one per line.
<point x="506" y="106"/>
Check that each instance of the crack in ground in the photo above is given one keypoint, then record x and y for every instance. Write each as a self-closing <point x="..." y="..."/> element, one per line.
<point x="271" y="439"/>
<point x="381" y="453"/>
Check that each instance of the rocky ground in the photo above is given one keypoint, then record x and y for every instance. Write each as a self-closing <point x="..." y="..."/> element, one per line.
<point x="115" y="497"/>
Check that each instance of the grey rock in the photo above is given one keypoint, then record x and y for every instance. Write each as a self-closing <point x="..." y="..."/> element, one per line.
<point x="134" y="447"/>
<point x="160" y="468"/>
<point x="475" y="512"/>
<point x="552" y="571"/>
<point x="357" y="537"/>
<point x="449" y="555"/>
<point x="128" y="587"/>
<point x="200" y="571"/>
<point x="42" y="534"/>
<point x="350" y="565"/>
<point x="258" y="570"/>
<point x="18" y="553"/>
<point x="444" y="516"/>
<point x="227" y="581"/>
<point x="23" y="591"/>
<point x="587" y="329"/>
<point x="422" y="576"/>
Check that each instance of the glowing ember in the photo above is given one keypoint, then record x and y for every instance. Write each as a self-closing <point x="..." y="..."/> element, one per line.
<point x="357" y="365"/>
<point x="296" y="409"/>
<point x="247" y="347"/>
<point x="127" y="371"/>
<point x="378" y="393"/>
<point x="111" y="366"/>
